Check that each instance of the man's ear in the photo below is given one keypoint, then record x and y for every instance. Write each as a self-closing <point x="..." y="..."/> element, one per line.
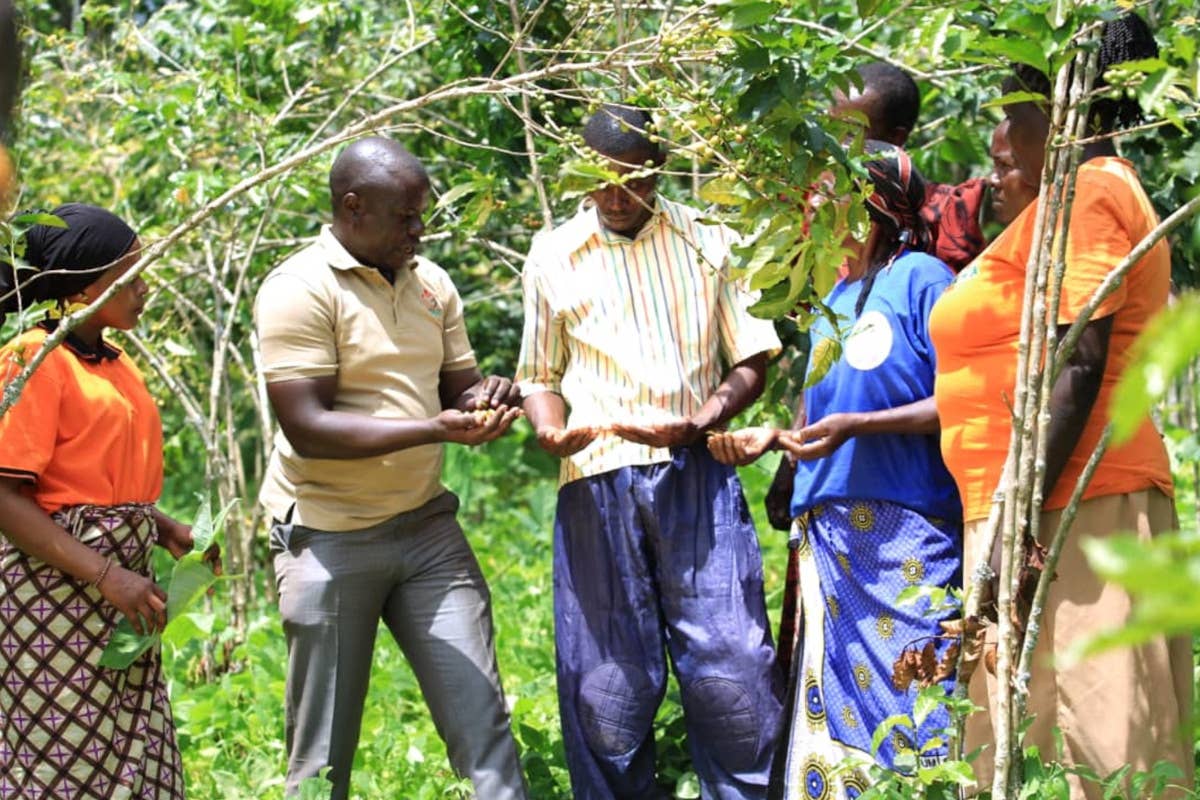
<point x="351" y="205"/>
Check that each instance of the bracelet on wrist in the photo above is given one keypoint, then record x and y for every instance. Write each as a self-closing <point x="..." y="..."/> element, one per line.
<point x="108" y="562"/>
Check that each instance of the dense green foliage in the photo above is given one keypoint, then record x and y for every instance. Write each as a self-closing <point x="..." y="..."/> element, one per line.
<point x="156" y="108"/>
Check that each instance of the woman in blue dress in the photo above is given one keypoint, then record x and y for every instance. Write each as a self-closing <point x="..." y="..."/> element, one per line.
<point x="874" y="509"/>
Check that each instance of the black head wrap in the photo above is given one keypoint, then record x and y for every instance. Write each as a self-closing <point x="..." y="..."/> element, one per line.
<point x="64" y="261"/>
<point x="898" y="193"/>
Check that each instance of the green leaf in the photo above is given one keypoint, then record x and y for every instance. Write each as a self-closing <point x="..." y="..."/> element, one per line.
<point x="687" y="787"/>
<point x="190" y="578"/>
<point x="125" y="646"/>
<point x="39" y="218"/>
<point x="885" y="728"/>
<point x="1021" y="49"/>
<point x="187" y="627"/>
<point x="724" y="190"/>
<point x="749" y="14"/>
<point x="910" y="594"/>
<point x="824" y="358"/>
<point x="205" y="528"/>
<point x="1012" y="98"/>
<point x="1162" y="575"/>
<point x="927" y="702"/>
<point x="1160" y="356"/>
<point x="582" y="176"/>
<point x="957" y="772"/>
<point x="455" y="192"/>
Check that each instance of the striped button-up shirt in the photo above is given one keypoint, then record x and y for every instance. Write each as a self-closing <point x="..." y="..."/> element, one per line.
<point x="633" y="330"/>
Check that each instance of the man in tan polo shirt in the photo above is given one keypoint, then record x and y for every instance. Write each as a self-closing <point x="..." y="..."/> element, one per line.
<point x="369" y="371"/>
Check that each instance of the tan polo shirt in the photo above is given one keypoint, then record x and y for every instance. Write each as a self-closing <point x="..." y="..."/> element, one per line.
<point x="321" y="313"/>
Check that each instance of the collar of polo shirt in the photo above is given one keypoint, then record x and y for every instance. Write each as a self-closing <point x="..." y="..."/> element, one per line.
<point x="338" y="257"/>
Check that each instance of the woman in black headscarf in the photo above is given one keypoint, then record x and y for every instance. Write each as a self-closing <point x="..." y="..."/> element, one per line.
<point x="874" y="509"/>
<point x="80" y="470"/>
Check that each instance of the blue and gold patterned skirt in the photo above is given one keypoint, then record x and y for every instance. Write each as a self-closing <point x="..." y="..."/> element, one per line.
<point x="855" y="557"/>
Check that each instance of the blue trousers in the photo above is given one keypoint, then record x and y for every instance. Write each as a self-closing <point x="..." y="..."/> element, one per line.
<point x="652" y="560"/>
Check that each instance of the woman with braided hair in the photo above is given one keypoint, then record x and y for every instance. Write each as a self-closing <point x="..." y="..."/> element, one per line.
<point x="1128" y="706"/>
<point x="80" y="470"/>
<point x="874" y="509"/>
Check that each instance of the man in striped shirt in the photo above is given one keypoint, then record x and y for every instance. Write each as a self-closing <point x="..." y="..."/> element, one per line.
<point x="632" y="325"/>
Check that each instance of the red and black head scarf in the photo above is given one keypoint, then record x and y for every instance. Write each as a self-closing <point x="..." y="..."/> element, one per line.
<point x="63" y="261"/>
<point x="898" y="193"/>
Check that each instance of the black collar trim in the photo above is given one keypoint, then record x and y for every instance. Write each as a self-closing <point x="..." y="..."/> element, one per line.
<point x="82" y="350"/>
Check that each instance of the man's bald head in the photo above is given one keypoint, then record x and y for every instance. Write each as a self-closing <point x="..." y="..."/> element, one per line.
<point x="369" y="166"/>
<point x="380" y="192"/>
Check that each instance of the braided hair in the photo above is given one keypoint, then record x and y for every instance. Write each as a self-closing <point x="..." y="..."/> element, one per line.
<point x="1126" y="38"/>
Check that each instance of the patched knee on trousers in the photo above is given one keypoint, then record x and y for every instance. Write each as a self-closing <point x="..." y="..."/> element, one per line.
<point x="616" y="708"/>
<point x="723" y="715"/>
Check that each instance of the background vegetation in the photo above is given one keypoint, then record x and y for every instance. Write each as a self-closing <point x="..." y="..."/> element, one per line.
<point x="155" y="109"/>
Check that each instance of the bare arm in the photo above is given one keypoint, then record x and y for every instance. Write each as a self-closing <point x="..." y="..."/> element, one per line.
<point x="304" y="408"/>
<point x="741" y="387"/>
<point x="34" y="533"/>
<point x="827" y="434"/>
<point x="305" y="411"/>
<point x="174" y="535"/>
<point x="1073" y="396"/>
<point x="920" y="417"/>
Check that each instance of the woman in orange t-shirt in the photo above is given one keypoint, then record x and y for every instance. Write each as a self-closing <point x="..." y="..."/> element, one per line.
<point x="1127" y="706"/>
<point x="80" y="470"/>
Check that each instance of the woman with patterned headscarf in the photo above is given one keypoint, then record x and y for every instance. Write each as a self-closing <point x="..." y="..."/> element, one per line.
<point x="874" y="509"/>
<point x="80" y="470"/>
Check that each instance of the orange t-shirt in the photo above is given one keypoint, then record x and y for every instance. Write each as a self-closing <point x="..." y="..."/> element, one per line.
<point x="975" y="328"/>
<point x="84" y="429"/>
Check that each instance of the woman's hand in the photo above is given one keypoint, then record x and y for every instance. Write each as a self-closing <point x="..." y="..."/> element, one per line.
<point x="174" y="536"/>
<point x="741" y="447"/>
<point x="177" y="538"/>
<point x="137" y="597"/>
<point x="821" y="438"/>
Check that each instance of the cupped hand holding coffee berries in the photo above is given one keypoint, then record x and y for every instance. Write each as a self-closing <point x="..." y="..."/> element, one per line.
<point x="474" y="427"/>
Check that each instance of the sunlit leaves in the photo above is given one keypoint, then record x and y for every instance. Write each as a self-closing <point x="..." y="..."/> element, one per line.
<point x="1161" y="574"/>
<point x="1161" y="355"/>
<point x="190" y="578"/>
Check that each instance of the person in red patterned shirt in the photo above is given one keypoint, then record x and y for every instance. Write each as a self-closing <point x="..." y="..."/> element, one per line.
<point x="890" y="102"/>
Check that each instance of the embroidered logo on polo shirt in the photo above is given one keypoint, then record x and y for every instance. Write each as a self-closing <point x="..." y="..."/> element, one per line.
<point x="431" y="302"/>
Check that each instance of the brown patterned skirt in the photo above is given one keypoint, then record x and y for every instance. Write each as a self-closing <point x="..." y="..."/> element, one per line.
<point x="68" y="727"/>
